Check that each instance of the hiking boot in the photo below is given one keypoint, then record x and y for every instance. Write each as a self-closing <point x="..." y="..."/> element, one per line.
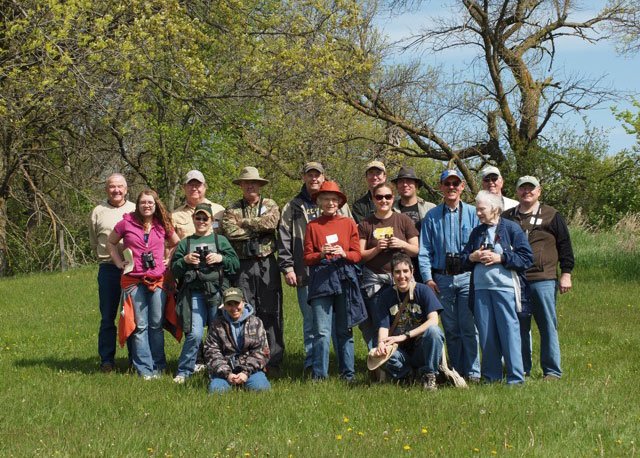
<point x="106" y="368"/>
<point x="429" y="382"/>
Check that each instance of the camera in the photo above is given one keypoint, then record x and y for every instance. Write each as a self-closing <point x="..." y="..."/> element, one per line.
<point x="487" y="246"/>
<point x="452" y="264"/>
<point x="252" y="247"/>
<point x="148" y="262"/>
<point x="203" y="252"/>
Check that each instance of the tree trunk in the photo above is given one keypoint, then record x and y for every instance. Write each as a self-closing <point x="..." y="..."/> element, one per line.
<point x="3" y="237"/>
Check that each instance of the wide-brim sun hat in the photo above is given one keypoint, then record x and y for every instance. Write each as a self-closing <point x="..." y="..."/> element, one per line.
<point x="250" y="174"/>
<point x="374" y="361"/>
<point x="409" y="174"/>
<point x="330" y="186"/>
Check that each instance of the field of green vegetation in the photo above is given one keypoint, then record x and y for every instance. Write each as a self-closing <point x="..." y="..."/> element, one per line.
<point x="56" y="403"/>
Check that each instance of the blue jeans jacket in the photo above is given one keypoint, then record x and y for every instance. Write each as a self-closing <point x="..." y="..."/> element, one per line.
<point x="325" y="280"/>
<point x="517" y="255"/>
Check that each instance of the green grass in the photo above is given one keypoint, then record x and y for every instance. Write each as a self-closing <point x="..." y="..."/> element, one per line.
<point x="55" y="403"/>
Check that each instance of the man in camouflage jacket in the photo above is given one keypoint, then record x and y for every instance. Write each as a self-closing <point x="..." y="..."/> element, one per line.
<point x="250" y="225"/>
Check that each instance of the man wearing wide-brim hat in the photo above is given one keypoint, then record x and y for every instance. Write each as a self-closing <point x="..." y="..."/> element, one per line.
<point x="415" y="207"/>
<point x="250" y="224"/>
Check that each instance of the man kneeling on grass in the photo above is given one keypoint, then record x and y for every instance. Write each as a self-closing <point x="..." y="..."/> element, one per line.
<point x="236" y="350"/>
<point x="408" y="327"/>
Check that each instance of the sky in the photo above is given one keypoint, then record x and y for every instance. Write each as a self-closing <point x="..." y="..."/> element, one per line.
<point x="572" y="55"/>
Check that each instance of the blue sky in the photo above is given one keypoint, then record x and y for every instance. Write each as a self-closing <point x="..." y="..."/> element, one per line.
<point x="572" y="56"/>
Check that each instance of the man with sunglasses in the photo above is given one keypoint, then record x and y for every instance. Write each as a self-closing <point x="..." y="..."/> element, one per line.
<point x="444" y="233"/>
<point x="492" y="181"/>
<point x="375" y="173"/>
<point x="551" y="245"/>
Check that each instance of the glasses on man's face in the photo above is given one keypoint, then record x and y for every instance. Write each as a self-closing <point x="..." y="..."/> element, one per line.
<point x="379" y="197"/>
<point x="452" y="184"/>
<point x="202" y="219"/>
<point x="493" y="178"/>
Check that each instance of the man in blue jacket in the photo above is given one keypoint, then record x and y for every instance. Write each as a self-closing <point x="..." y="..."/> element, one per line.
<point x="444" y="233"/>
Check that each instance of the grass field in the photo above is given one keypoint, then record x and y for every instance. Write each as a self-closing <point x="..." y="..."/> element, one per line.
<point x="56" y="403"/>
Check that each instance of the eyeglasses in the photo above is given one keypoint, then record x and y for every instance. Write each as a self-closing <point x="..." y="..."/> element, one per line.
<point x="383" y="196"/>
<point x="454" y="184"/>
<point x="493" y="178"/>
<point x="202" y="219"/>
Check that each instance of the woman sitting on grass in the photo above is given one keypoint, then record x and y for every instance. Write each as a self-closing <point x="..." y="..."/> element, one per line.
<point x="331" y="249"/>
<point x="498" y="254"/>
<point x="236" y="350"/>
<point x="146" y="232"/>
<point x="202" y="264"/>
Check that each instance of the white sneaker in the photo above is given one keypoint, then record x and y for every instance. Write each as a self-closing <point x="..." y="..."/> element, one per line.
<point x="179" y="379"/>
<point x="151" y="377"/>
<point x="199" y="368"/>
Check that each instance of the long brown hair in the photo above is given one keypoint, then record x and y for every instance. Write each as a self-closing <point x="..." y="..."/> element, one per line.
<point x="160" y="213"/>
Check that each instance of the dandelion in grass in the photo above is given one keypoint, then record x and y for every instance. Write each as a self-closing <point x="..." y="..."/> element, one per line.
<point x="476" y="450"/>
<point x="406" y="447"/>
<point x="338" y="437"/>
<point x="360" y="433"/>
<point x="345" y="420"/>
<point x="247" y="454"/>
<point x="589" y="366"/>
<point x="494" y="452"/>
<point x="349" y="429"/>
<point x="424" y="430"/>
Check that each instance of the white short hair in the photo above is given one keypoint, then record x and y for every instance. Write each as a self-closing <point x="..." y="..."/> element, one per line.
<point x="495" y="201"/>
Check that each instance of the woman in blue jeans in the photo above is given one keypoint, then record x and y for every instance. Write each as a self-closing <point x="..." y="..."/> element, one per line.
<point x="331" y="250"/>
<point x="202" y="264"/>
<point x="498" y="254"/>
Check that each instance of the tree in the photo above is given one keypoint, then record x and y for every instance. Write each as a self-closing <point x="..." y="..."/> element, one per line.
<point x="504" y="101"/>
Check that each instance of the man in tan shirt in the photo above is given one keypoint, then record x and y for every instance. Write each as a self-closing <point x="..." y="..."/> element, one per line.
<point x="103" y="218"/>
<point x="195" y="188"/>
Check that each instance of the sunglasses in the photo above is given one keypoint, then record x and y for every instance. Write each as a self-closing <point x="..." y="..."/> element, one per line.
<point x="384" y="196"/>
<point x="453" y="183"/>
<point x="202" y="219"/>
<point x="488" y="179"/>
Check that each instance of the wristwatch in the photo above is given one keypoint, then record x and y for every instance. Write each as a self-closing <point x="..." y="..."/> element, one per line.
<point x="407" y="334"/>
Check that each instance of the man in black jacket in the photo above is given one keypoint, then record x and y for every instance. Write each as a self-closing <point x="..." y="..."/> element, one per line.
<point x="551" y="245"/>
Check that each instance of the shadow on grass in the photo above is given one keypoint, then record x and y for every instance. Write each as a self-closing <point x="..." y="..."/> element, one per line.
<point x="79" y="365"/>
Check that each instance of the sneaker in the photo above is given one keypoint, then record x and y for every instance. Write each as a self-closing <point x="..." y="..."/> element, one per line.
<point x="179" y="379"/>
<point x="550" y="378"/>
<point x="473" y="380"/>
<point x="151" y="377"/>
<point x="199" y="368"/>
<point x="429" y="382"/>
<point x="106" y="368"/>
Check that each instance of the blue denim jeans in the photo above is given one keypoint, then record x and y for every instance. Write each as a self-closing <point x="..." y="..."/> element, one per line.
<point x="543" y="303"/>
<point x="368" y="328"/>
<point x="425" y="355"/>
<point x="201" y="315"/>
<point x="307" y="326"/>
<point x="323" y="309"/>
<point x="499" y="330"/>
<point x="148" y="338"/>
<point x="457" y="321"/>
<point x="109" y="296"/>
<point x="256" y="382"/>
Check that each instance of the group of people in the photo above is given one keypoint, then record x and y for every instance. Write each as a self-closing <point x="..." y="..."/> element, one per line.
<point x="395" y="267"/>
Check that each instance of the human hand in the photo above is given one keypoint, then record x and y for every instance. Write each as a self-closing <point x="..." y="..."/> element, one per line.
<point x="434" y="286"/>
<point x="565" y="282"/>
<point x="291" y="278"/>
<point x="214" y="258"/>
<point x="192" y="258"/>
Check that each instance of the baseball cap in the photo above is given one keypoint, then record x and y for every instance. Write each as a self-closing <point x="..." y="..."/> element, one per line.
<point x="527" y="179"/>
<point x="449" y="173"/>
<point x="489" y="170"/>
<point x="194" y="175"/>
<point x="375" y="165"/>
<point x="203" y="208"/>
<point x="313" y="166"/>
<point x="231" y="295"/>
